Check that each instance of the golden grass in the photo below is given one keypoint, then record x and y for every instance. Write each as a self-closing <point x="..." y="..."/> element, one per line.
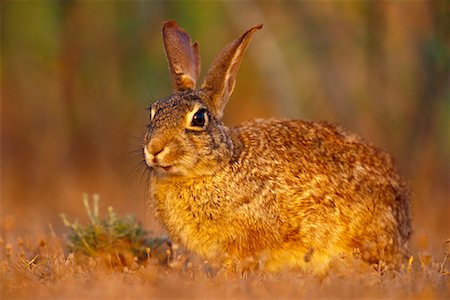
<point x="114" y="257"/>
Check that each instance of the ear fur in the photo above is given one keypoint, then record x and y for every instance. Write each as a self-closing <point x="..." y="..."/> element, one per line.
<point x="221" y="78"/>
<point x="182" y="56"/>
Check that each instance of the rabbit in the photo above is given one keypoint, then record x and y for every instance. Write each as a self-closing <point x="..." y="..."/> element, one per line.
<point x="293" y="194"/>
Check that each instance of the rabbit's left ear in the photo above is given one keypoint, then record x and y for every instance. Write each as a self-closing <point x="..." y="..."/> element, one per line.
<point x="182" y="55"/>
<point x="221" y="78"/>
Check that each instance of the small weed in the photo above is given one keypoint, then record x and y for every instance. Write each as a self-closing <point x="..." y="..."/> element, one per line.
<point x="119" y="239"/>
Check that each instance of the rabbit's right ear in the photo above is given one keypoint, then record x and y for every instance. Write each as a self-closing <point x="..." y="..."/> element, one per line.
<point x="182" y="56"/>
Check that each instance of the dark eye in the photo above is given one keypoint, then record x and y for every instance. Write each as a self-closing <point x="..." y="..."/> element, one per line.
<point x="199" y="118"/>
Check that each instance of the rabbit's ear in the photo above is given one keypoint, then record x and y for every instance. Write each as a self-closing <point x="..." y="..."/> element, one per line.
<point x="182" y="55"/>
<point x="221" y="78"/>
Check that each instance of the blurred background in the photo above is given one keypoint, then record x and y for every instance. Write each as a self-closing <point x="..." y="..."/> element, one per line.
<point x="77" y="76"/>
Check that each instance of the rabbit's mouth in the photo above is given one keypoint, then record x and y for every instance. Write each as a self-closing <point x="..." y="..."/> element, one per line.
<point x="165" y="168"/>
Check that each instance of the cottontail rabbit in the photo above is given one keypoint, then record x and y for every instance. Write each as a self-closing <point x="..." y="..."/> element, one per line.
<point x="294" y="192"/>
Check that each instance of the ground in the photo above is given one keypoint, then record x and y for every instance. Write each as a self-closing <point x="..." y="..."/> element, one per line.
<point x="114" y="257"/>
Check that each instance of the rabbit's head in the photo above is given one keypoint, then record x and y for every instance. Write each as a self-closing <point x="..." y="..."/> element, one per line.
<point x="186" y="135"/>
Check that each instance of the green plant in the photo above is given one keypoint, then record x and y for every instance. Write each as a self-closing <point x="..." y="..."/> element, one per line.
<point x="116" y="237"/>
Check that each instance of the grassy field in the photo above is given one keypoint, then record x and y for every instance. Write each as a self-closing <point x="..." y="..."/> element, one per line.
<point x="114" y="257"/>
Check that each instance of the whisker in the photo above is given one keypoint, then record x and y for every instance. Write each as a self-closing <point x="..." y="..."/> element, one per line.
<point x="135" y="171"/>
<point x="131" y="161"/>
<point x="147" y="190"/>
<point x="143" y="173"/>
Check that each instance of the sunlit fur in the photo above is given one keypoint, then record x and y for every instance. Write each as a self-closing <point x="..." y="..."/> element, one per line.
<point x="290" y="193"/>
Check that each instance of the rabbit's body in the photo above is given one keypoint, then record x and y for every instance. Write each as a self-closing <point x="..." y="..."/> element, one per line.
<point x="291" y="193"/>
<point x="334" y="194"/>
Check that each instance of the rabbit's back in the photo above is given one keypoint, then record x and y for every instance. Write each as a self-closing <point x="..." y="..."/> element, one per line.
<point x="339" y="192"/>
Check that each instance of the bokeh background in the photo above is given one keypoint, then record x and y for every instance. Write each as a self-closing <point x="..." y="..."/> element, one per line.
<point x="77" y="76"/>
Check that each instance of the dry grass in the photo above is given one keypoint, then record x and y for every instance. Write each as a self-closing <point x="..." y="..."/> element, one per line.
<point x="114" y="257"/>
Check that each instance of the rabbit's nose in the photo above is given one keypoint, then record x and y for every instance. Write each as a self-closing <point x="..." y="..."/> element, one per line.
<point x="156" y="151"/>
<point x="154" y="148"/>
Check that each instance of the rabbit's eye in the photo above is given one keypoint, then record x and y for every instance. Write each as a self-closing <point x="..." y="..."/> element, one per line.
<point x="199" y="118"/>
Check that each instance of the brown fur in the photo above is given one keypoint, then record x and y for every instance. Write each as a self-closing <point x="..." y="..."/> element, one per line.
<point x="290" y="192"/>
